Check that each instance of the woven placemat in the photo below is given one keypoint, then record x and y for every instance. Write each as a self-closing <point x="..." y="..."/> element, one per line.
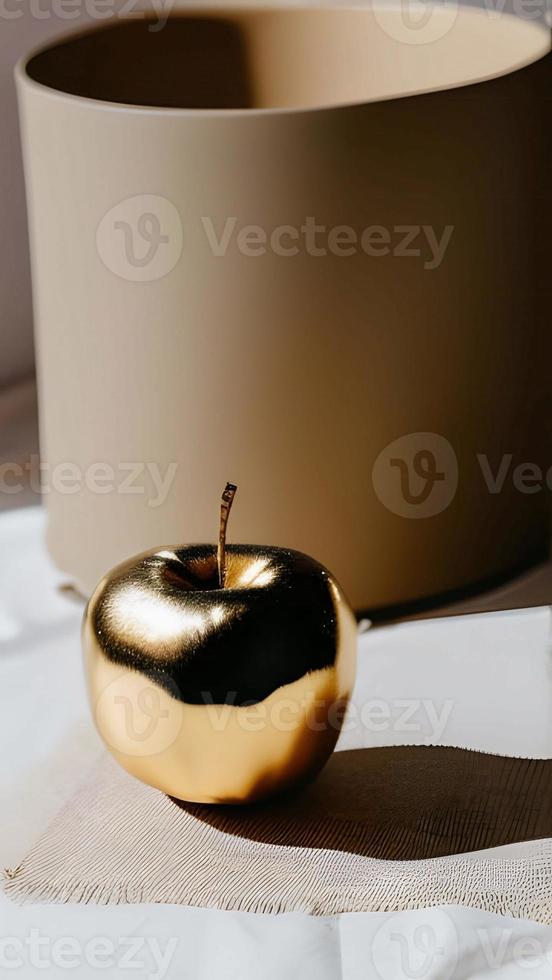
<point x="374" y="832"/>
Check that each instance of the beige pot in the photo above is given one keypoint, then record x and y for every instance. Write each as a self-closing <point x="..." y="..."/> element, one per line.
<point x="177" y="343"/>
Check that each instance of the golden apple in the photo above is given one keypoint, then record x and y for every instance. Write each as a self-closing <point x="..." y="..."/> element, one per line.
<point x="219" y="694"/>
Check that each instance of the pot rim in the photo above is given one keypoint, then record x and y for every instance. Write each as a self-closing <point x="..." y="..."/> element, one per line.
<point x="25" y="81"/>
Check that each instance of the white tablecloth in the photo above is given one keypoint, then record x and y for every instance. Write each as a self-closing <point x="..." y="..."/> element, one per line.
<point x="482" y="682"/>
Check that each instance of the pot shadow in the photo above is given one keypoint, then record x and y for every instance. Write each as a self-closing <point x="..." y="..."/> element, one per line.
<point x="401" y="803"/>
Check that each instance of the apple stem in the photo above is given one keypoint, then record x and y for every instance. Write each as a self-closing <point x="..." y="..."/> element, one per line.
<point x="225" y="507"/>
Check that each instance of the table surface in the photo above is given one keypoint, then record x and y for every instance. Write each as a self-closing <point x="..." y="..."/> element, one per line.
<point x="499" y="672"/>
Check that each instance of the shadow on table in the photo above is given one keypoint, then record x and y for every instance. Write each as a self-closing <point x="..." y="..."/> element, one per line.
<point x="402" y="803"/>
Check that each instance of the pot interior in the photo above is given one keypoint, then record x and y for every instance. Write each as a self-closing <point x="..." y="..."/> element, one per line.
<point x="285" y="58"/>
